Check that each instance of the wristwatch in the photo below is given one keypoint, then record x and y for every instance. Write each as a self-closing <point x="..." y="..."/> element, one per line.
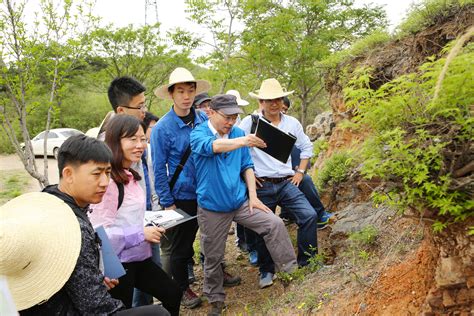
<point x="300" y="171"/>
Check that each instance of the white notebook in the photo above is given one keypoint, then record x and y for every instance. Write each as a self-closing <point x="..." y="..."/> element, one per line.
<point x="162" y="218"/>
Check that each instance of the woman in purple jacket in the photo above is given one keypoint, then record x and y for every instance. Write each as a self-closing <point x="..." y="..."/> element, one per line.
<point x="124" y="223"/>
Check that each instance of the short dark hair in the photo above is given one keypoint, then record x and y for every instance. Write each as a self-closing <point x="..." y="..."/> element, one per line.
<point x="118" y="127"/>
<point x="189" y="83"/>
<point x="149" y="117"/>
<point x="122" y="90"/>
<point x="286" y="101"/>
<point x="81" y="149"/>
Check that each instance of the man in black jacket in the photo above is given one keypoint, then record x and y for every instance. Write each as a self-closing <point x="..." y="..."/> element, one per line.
<point x="84" y="166"/>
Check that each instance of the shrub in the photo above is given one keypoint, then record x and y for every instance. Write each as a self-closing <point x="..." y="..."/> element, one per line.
<point x="319" y="146"/>
<point x="417" y="138"/>
<point x="335" y="169"/>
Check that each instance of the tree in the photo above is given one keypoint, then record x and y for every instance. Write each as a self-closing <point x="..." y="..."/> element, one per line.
<point x="37" y="58"/>
<point x="289" y="40"/>
<point x="223" y="23"/>
<point x="137" y="52"/>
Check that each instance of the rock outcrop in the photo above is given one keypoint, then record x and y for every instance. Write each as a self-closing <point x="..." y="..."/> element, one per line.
<point x="322" y="126"/>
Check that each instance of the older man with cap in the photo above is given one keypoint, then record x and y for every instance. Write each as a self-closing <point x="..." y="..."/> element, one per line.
<point x="201" y="102"/>
<point x="226" y="192"/>
<point x="278" y="182"/>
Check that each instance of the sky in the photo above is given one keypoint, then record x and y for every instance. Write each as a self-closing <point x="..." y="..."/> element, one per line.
<point x="171" y="13"/>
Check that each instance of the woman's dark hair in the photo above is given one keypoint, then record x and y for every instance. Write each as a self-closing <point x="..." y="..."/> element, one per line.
<point x="118" y="127"/>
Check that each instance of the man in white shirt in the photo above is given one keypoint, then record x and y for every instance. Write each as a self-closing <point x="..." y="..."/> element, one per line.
<point x="277" y="182"/>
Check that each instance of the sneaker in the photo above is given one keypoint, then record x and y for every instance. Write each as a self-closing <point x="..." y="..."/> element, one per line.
<point x="266" y="279"/>
<point x="190" y="299"/>
<point x="216" y="309"/>
<point x="191" y="276"/>
<point x="231" y="280"/>
<point x="253" y="257"/>
<point x="324" y="220"/>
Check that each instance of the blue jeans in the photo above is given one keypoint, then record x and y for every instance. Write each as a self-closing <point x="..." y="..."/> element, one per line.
<point x="309" y="190"/>
<point x="141" y="298"/>
<point x="291" y="198"/>
<point x="311" y="193"/>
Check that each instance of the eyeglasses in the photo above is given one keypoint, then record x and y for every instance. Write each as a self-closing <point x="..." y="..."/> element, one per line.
<point x="269" y="102"/>
<point x="141" y="108"/>
<point x="228" y="118"/>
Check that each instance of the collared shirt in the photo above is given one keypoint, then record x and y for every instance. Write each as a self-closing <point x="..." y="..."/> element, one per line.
<point x="124" y="225"/>
<point x="266" y="165"/>
<point x="220" y="185"/>
<point x="169" y="141"/>
<point x="215" y="132"/>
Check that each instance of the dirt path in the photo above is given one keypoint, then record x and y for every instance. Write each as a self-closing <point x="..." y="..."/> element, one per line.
<point x="13" y="163"/>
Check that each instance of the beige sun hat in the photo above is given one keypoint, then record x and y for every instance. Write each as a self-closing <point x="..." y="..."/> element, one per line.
<point x="180" y="75"/>
<point x="269" y="90"/>
<point x="40" y="241"/>
<point x="240" y="101"/>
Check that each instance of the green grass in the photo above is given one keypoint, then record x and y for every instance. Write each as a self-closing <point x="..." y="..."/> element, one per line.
<point x="12" y="184"/>
<point x="425" y="13"/>
<point x="197" y="248"/>
<point x="361" y="244"/>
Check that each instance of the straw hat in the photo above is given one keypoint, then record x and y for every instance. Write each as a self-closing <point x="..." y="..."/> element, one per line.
<point x="40" y="241"/>
<point x="240" y="101"/>
<point x="269" y="90"/>
<point x="180" y="75"/>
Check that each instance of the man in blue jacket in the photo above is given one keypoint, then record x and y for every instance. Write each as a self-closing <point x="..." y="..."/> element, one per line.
<point x="224" y="173"/>
<point x="169" y="143"/>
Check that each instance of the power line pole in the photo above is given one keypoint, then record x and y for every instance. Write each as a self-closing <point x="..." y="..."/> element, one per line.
<point x="151" y="5"/>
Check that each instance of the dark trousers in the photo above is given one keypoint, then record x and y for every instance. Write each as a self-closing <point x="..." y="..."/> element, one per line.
<point x="177" y="247"/>
<point x="149" y="278"/>
<point x="246" y="238"/>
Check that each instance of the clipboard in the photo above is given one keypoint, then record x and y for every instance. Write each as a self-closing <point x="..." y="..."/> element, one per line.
<point x="113" y="268"/>
<point x="159" y="218"/>
<point x="279" y="143"/>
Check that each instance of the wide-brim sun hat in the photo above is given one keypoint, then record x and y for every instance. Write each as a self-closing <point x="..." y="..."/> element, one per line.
<point x="240" y="101"/>
<point x="40" y="241"/>
<point x="270" y="89"/>
<point x="181" y="75"/>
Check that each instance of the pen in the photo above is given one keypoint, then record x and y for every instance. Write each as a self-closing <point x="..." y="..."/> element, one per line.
<point x="158" y="225"/>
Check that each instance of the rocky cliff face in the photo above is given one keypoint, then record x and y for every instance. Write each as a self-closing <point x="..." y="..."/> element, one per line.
<point x="452" y="291"/>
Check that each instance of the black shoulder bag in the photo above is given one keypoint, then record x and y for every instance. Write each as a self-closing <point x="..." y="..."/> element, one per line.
<point x="180" y="167"/>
